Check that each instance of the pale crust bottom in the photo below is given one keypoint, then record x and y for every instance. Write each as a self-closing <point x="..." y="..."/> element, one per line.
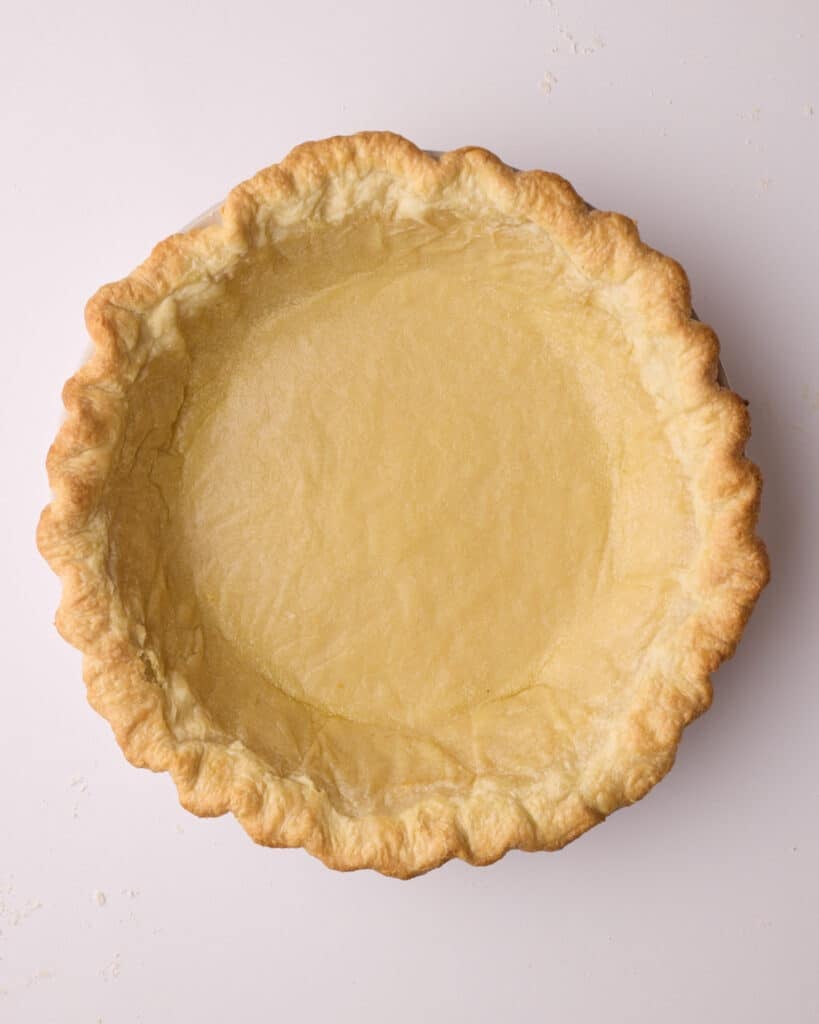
<point x="401" y="513"/>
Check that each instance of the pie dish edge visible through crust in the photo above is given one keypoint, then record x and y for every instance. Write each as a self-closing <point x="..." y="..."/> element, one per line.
<point x="214" y="778"/>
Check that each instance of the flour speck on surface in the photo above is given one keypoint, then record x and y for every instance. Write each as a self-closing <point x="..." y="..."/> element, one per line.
<point x="571" y="42"/>
<point x="79" y="785"/>
<point x="571" y="47"/>
<point x="111" y="971"/>
<point x="99" y="897"/>
<point x="568" y="45"/>
<point x="44" y="974"/>
<point x="14" y="911"/>
<point x="754" y="115"/>
<point x="596" y="44"/>
<point x="548" y="82"/>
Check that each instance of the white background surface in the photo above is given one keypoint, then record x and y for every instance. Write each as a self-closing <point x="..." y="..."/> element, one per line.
<point x="122" y="121"/>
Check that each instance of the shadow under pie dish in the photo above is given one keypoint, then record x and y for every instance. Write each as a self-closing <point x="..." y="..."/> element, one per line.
<point x="400" y="512"/>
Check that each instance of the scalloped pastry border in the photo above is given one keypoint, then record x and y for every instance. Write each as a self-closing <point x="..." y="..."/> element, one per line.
<point x="216" y="777"/>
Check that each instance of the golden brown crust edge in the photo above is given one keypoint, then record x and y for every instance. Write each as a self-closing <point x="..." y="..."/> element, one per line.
<point x="212" y="777"/>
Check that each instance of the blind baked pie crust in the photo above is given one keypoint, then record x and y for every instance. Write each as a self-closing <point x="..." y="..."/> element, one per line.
<point x="401" y="513"/>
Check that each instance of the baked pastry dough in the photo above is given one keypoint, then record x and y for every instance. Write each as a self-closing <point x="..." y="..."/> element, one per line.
<point x="401" y="513"/>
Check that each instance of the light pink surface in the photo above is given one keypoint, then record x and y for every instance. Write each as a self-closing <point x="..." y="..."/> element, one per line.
<point x="120" y="122"/>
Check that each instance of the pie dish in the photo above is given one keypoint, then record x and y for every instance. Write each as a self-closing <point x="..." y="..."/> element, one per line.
<point x="400" y="513"/>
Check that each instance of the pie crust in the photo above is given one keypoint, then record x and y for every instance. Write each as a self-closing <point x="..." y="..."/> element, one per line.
<point x="401" y="513"/>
